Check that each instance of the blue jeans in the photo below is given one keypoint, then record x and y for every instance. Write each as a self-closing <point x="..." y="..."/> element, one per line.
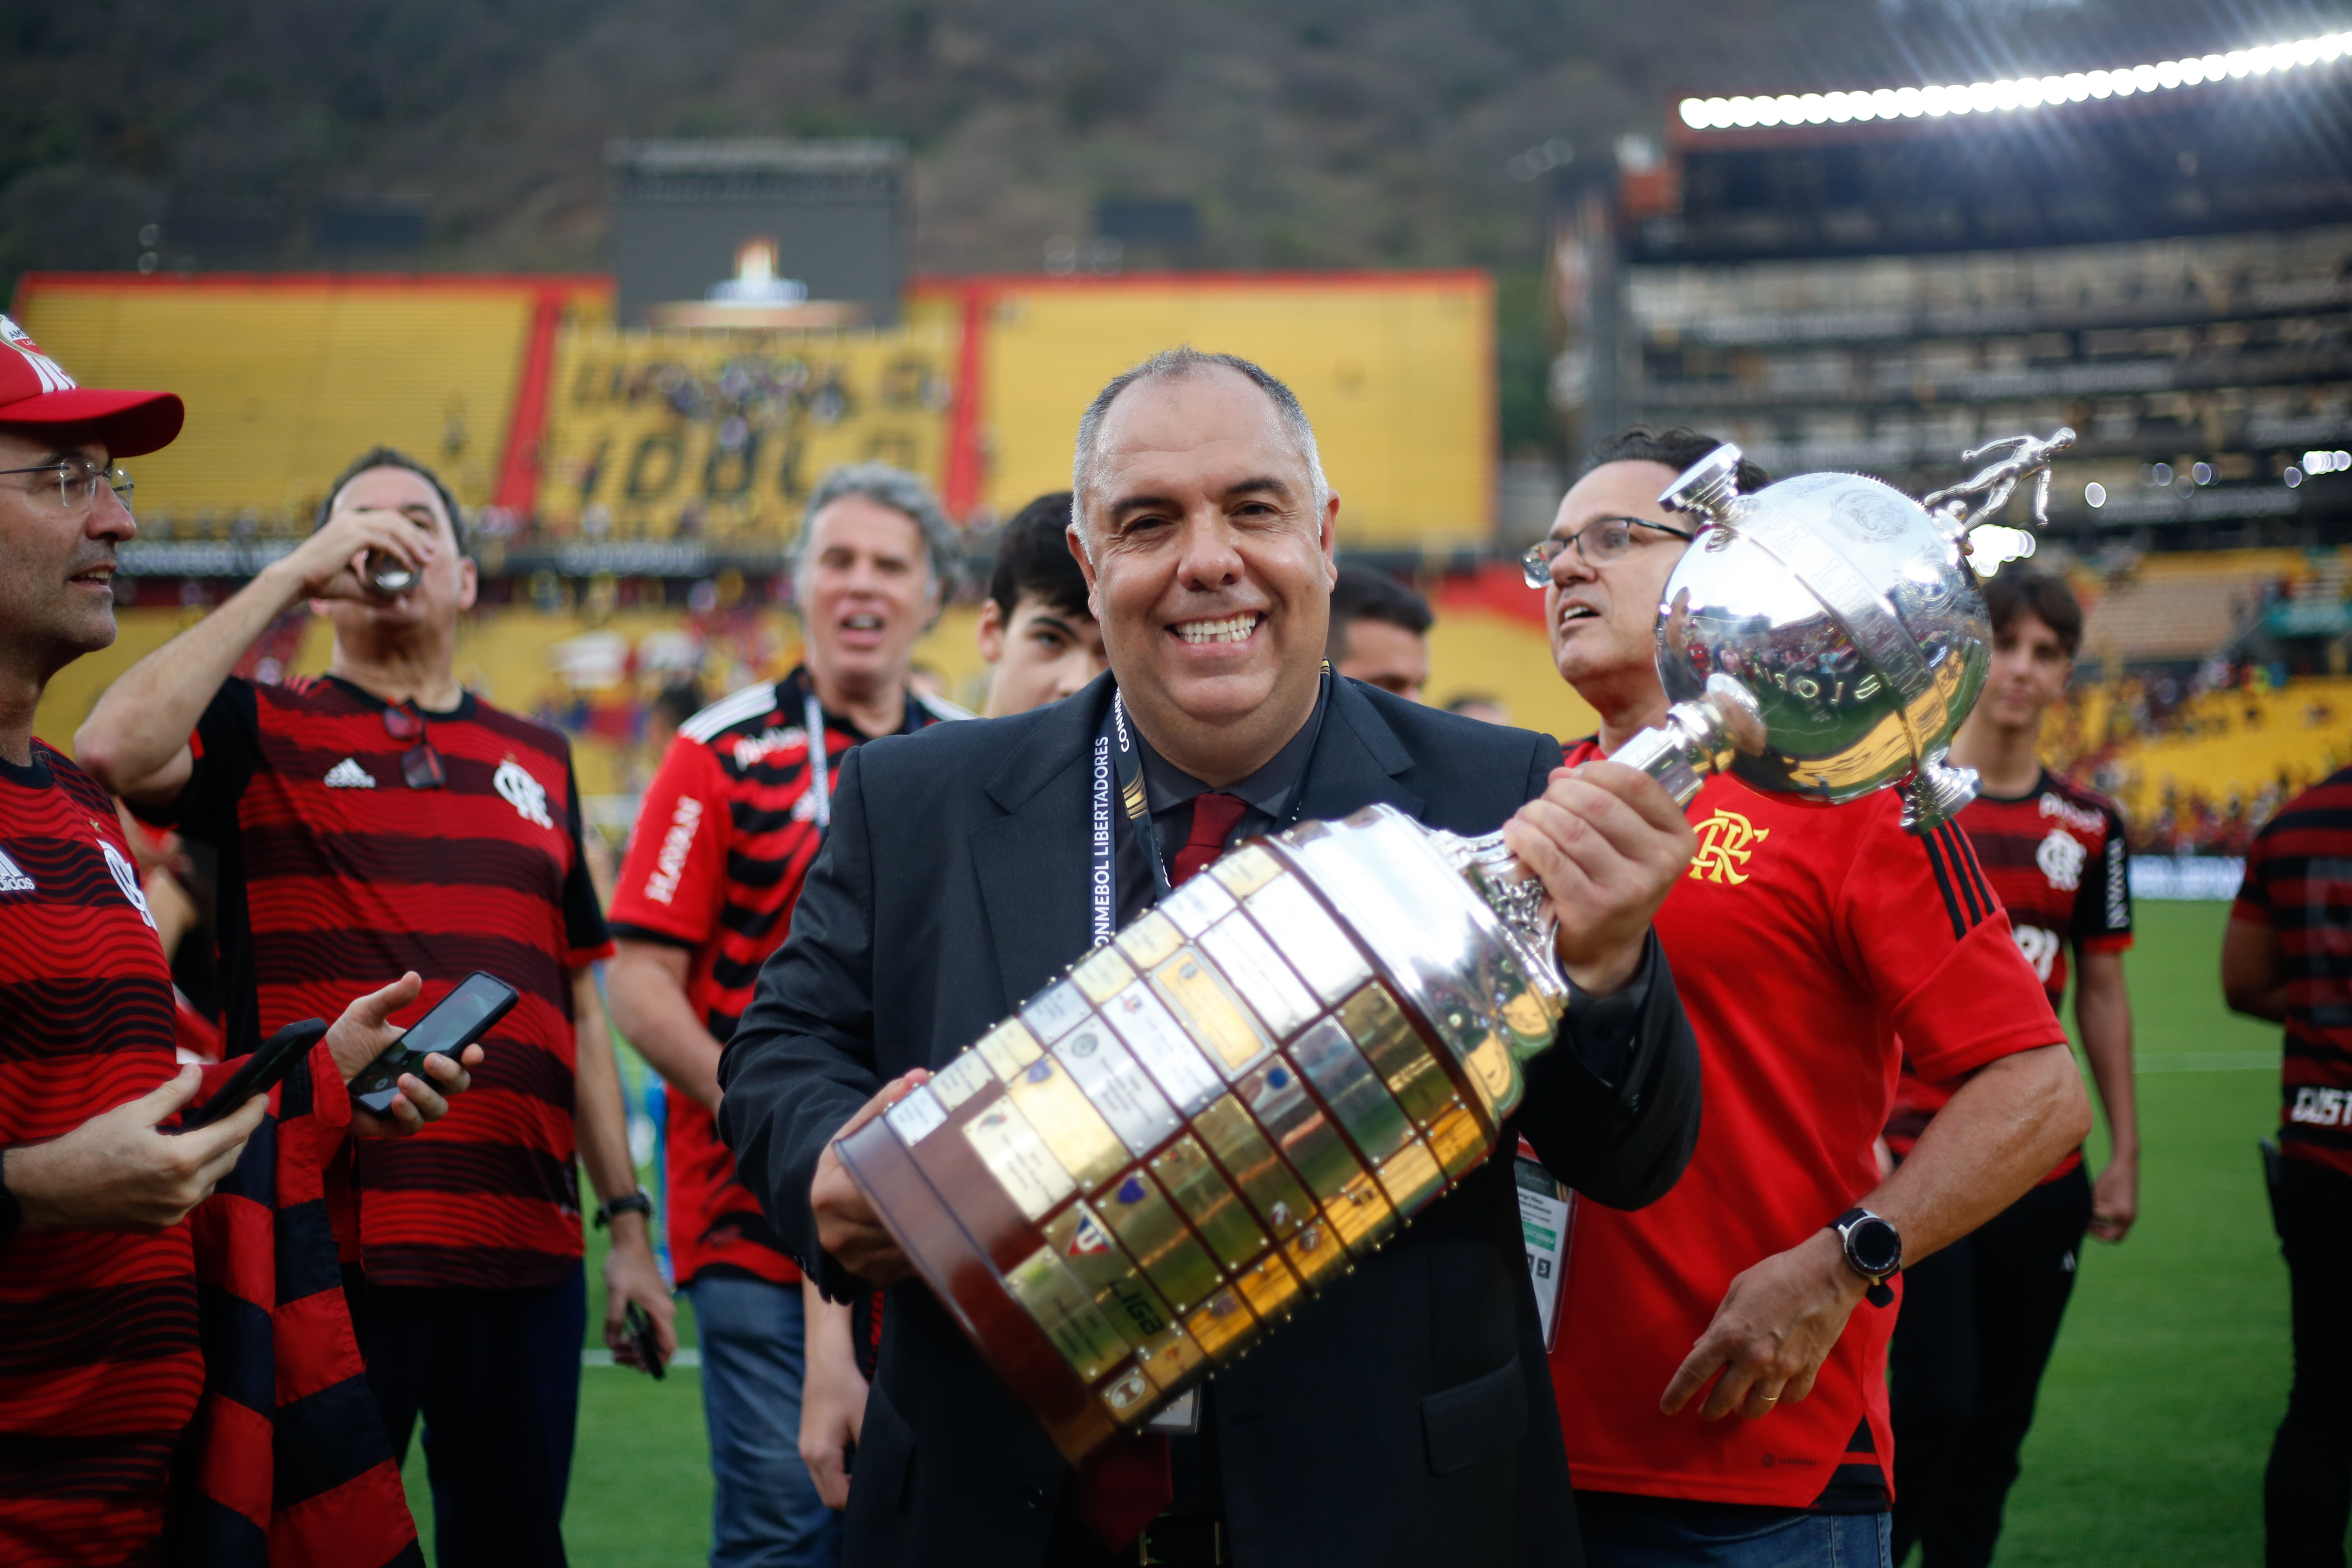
<point x="764" y="1509"/>
<point x="1651" y="1533"/>
<point x="495" y="1374"/>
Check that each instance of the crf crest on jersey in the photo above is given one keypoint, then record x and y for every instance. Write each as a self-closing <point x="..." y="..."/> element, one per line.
<point x="1726" y="840"/>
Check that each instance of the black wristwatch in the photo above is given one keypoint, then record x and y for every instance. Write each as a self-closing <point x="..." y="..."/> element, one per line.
<point x="635" y="1202"/>
<point x="1874" y="1250"/>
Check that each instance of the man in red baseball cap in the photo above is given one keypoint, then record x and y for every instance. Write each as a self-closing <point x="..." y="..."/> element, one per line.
<point x="138" y="1380"/>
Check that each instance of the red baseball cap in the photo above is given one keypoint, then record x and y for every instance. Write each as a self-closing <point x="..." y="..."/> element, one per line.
<point x="35" y="391"/>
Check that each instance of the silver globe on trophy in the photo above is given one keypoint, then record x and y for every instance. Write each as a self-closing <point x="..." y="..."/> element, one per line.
<point x="1215" y="1114"/>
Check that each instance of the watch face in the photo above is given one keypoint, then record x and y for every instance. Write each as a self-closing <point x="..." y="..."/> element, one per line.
<point x="1873" y="1246"/>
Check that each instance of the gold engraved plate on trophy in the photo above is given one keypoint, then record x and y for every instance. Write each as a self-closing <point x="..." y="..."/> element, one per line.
<point x="1087" y="1250"/>
<point x="1457" y="1140"/>
<point x="1054" y="1011"/>
<point x="1397" y="1053"/>
<point x="1316" y="1253"/>
<point x="961" y="1078"/>
<point x="1299" y="1127"/>
<point x="1345" y="1080"/>
<point x="1362" y="1214"/>
<point x="1100" y="974"/>
<point x="1212" y="1015"/>
<point x="1061" y="1307"/>
<point x="1171" y="1358"/>
<point x="1151" y="941"/>
<point x="1281" y="1203"/>
<point x="1245" y="871"/>
<point x="1067" y="1121"/>
<point x="916" y="1116"/>
<point x="1270" y="1287"/>
<point x="1163" y="1048"/>
<point x="1196" y="906"/>
<point x="1223" y="1324"/>
<point x="1148" y="1226"/>
<point x="1007" y="1049"/>
<point x="1309" y="938"/>
<point x="1412" y="1177"/>
<point x="1265" y="983"/>
<point x="1224" y="1221"/>
<point x="1018" y="1158"/>
<point x="1121" y="1091"/>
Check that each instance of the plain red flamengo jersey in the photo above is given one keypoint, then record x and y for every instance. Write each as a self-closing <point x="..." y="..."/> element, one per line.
<point x="725" y="836"/>
<point x="2296" y="884"/>
<point x="1803" y="938"/>
<point x="2057" y="856"/>
<point x="100" y="1363"/>
<point x="335" y="876"/>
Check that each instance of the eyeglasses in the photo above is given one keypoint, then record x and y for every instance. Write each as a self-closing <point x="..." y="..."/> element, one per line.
<point x="77" y="482"/>
<point x="1600" y="543"/>
<point x="420" y="764"/>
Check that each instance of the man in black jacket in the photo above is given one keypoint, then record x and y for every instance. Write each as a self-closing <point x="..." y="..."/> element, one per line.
<point x="1405" y="1416"/>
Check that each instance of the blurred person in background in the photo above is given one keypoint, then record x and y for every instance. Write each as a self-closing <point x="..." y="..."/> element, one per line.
<point x="667" y="714"/>
<point x="1035" y="632"/>
<point x="1805" y="938"/>
<point x="726" y="833"/>
<point x="1979" y="1317"/>
<point x="1485" y="710"/>
<point x="383" y="817"/>
<point x="2286" y="956"/>
<point x="1380" y="632"/>
<point x="132" y="1393"/>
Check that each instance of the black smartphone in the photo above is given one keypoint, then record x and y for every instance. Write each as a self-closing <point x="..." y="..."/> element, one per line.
<point x="641" y="1334"/>
<point x="457" y="1021"/>
<point x="260" y="1074"/>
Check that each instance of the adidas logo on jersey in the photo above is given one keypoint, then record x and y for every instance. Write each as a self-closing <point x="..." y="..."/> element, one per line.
<point x="12" y="876"/>
<point x="349" y="774"/>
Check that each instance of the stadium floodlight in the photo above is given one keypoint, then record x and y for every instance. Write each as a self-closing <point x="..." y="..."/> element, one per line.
<point x="2010" y="93"/>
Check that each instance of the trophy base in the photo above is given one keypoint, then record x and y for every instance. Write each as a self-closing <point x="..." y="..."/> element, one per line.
<point x="957" y="1271"/>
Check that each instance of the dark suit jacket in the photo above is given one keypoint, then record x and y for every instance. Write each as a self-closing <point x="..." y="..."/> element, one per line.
<point x="1404" y="1417"/>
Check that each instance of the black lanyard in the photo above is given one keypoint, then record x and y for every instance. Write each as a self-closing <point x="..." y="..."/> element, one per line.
<point x="1118" y="763"/>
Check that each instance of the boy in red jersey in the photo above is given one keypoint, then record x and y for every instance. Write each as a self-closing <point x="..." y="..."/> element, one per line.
<point x="1803" y="937"/>
<point x="1979" y="1317"/>
<point x="384" y="817"/>
<point x="725" y="836"/>
<point x="2287" y="957"/>
<point x="112" y="1354"/>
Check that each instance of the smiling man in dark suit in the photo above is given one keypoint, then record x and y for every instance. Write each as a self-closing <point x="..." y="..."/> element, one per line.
<point x="1405" y="1417"/>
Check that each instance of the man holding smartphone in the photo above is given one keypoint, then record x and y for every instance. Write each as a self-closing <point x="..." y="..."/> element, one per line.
<point x="383" y="818"/>
<point x="124" y="1392"/>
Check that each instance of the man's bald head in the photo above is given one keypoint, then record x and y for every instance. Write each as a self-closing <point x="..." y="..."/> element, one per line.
<point x="1182" y="363"/>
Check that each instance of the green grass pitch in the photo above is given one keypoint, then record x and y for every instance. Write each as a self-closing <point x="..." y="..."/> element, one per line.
<point x="2155" y="1415"/>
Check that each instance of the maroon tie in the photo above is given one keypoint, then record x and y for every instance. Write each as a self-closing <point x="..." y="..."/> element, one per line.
<point x="1214" y="816"/>
<point x="1131" y="1484"/>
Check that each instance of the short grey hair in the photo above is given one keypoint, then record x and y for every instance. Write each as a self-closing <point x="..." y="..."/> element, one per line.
<point x="1181" y="364"/>
<point x="903" y="493"/>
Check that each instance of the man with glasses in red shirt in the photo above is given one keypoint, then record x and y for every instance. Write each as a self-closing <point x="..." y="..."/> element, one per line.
<point x="385" y="818"/>
<point x="1804" y="937"/>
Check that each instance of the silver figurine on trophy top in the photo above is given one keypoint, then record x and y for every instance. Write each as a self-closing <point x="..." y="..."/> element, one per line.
<point x="1825" y="636"/>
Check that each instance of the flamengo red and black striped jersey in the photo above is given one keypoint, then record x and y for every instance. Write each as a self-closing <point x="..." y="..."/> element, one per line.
<point x="2299" y="882"/>
<point x="335" y="876"/>
<point x="100" y="1358"/>
<point x="725" y="835"/>
<point x="2058" y="858"/>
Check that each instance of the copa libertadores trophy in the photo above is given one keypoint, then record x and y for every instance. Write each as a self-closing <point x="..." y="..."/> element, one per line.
<point x="1212" y="1116"/>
